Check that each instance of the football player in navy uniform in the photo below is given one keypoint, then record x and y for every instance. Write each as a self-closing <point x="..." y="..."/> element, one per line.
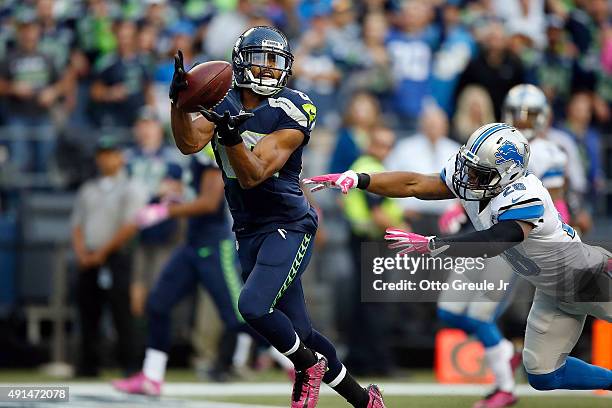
<point x="258" y="132"/>
<point x="207" y="257"/>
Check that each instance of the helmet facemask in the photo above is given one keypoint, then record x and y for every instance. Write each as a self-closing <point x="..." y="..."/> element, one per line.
<point x="530" y="121"/>
<point x="473" y="181"/>
<point x="272" y="66"/>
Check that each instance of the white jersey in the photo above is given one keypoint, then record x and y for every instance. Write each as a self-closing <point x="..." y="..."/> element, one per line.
<point x="547" y="162"/>
<point x="552" y="257"/>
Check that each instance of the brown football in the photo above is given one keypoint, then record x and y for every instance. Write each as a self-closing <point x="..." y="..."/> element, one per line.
<point x="207" y="85"/>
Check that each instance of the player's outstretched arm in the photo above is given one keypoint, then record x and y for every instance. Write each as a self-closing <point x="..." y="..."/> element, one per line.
<point x="409" y="184"/>
<point x="387" y="184"/>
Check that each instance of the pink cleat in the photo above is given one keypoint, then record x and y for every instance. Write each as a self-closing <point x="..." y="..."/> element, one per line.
<point x="376" y="398"/>
<point x="307" y="384"/>
<point x="138" y="384"/>
<point x="497" y="399"/>
<point x="516" y="360"/>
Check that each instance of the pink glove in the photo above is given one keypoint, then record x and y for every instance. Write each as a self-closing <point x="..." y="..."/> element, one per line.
<point x="152" y="214"/>
<point x="563" y="210"/>
<point x="450" y="221"/>
<point x="412" y="242"/>
<point x="344" y="181"/>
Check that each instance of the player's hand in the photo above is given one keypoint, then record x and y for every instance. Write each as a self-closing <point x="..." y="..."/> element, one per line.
<point x="228" y="126"/>
<point x="411" y="242"/>
<point x="152" y="214"/>
<point x="179" y="82"/>
<point x="343" y="181"/>
<point x="451" y="220"/>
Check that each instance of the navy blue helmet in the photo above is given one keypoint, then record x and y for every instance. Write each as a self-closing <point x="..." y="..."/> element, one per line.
<point x="267" y="50"/>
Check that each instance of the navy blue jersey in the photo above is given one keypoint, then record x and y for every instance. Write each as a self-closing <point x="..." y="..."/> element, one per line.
<point x="278" y="202"/>
<point x="207" y="227"/>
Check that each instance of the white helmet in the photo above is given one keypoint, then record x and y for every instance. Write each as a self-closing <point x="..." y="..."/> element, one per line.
<point x="526" y="108"/>
<point x="494" y="156"/>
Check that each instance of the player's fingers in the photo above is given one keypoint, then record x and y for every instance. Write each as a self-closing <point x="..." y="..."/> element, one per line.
<point x="317" y="188"/>
<point x="243" y="117"/>
<point x="317" y="179"/>
<point x="400" y="244"/>
<point x="392" y="237"/>
<point x="395" y="231"/>
<point x="308" y="181"/>
<point x="406" y="251"/>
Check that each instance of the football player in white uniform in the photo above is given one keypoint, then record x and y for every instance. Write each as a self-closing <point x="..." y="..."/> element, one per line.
<point x="525" y="108"/>
<point x="515" y="217"/>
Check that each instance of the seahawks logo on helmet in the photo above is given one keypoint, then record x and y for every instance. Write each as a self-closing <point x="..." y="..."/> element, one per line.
<point x="509" y="152"/>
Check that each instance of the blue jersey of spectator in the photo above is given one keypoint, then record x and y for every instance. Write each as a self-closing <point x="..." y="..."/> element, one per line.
<point x="451" y="59"/>
<point x="589" y="145"/>
<point x="411" y="59"/>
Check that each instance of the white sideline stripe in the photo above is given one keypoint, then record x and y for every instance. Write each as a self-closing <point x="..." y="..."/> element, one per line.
<point x="280" y="389"/>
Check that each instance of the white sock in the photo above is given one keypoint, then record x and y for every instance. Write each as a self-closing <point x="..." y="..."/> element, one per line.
<point x="498" y="357"/>
<point x="280" y="358"/>
<point x="154" y="366"/>
<point x="242" y="351"/>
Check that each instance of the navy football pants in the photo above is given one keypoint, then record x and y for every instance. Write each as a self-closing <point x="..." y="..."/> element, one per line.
<point x="272" y="298"/>
<point x="213" y="266"/>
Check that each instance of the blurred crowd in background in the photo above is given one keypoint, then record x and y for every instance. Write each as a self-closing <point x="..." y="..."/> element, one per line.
<point x="406" y="82"/>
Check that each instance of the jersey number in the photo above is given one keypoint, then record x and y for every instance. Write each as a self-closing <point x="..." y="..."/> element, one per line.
<point x="520" y="263"/>
<point x="514" y="187"/>
<point x="571" y="232"/>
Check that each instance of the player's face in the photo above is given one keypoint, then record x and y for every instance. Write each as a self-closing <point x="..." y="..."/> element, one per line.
<point x="266" y="65"/>
<point x="524" y="119"/>
<point x="109" y="162"/>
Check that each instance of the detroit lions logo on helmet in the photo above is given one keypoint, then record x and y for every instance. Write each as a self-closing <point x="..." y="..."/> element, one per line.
<point x="509" y="152"/>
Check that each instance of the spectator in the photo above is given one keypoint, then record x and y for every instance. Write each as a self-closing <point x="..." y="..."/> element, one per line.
<point x="30" y="81"/>
<point x="224" y="28"/>
<point x="315" y="70"/>
<point x="369" y="216"/>
<point x="147" y="46"/>
<point x="426" y="152"/>
<point x="344" y="35"/>
<point x="494" y="68"/>
<point x="122" y="85"/>
<point x="451" y="59"/>
<point x="411" y="49"/>
<point x="578" y="126"/>
<point x="102" y="226"/>
<point x="522" y="16"/>
<point x="56" y="39"/>
<point x="521" y="45"/>
<point x="362" y="115"/>
<point x="374" y="73"/>
<point x="94" y="31"/>
<point x="182" y="39"/>
<point x="474" y="109"/>
<point x="554" y="68"/>
<point x="155" y="166"/>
